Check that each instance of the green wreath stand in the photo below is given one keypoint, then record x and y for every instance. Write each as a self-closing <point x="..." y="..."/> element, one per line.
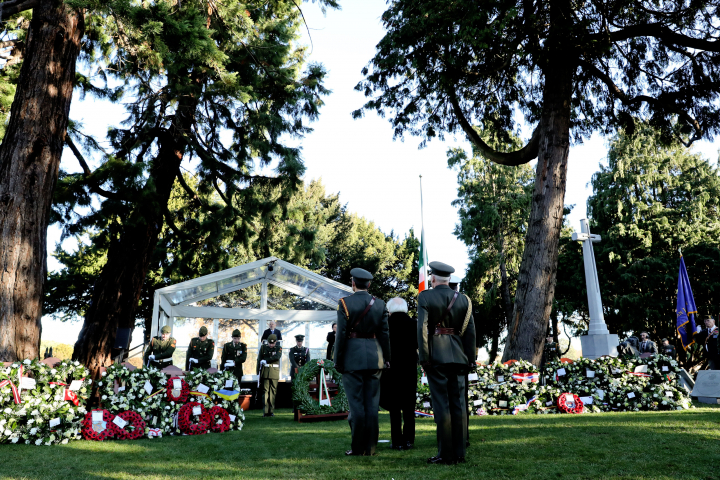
<point x="301" y="390"/>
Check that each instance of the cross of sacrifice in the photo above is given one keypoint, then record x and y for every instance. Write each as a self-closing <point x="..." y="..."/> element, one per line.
<point x="597" y="319"/>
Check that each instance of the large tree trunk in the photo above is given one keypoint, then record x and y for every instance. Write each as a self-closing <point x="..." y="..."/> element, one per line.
<point x="29" y="162"/>
<point x="536" y="282"/>
<point x="117" y="291"/>
<point x="504" y="283"/>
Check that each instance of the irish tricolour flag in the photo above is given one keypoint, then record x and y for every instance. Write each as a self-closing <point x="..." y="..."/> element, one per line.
<point x="422" y="263"/>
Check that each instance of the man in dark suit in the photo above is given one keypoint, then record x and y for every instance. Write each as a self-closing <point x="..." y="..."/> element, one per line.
<point x="362" y="350"/>
<point x="647" y="345"/>
<point x="707" y="338"/>
<point x="446" y="348"/>
<point x="398" y="385"/>
<point x="271" y="330"/>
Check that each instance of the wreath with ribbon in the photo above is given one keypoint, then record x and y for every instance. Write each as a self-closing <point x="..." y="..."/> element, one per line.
<point x="221" y="424"/>
<point x="134" y="420"/>
<point x="570" y="403"/>
<point x="301" y="389"/>
<point x="89" y="433"/>
<point x="189" y="426"/>
<point x="184" y="391"/>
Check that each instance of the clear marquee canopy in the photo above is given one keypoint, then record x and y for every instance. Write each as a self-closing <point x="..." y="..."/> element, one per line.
<point x="181" y="300"/>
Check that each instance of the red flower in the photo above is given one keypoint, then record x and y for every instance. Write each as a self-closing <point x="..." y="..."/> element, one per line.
<point x="570" y="403"/>
<point x="184" y="391"/>
<point x="134" y="419"/>
<point x="221" y="424"/>
<point x="186" y="421"/>
<point x="89" y="433"/>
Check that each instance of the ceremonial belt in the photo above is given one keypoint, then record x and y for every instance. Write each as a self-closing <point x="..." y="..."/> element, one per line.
<point x="274" y="365"/>
<point x="163" y="360"/>
<point x="362" y="335"/>
<point x="444" y="331"/>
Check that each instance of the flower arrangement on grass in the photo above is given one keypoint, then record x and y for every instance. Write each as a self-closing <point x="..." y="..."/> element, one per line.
<point x="194" y="419"/>
<point x="301" y="389"/>
<point x="100" y="430"/>
<point x="134" y="429"/>
<point x="219" y="419"/>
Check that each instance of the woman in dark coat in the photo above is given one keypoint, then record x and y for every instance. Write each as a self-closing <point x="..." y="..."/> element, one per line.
<point x="331" y="342"/>
<point x="398" y="384"/>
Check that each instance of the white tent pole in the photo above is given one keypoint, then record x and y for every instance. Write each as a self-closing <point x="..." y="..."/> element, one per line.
<point x="263" y="306"/>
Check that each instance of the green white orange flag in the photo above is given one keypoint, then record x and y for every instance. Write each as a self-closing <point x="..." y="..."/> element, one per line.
<point x="422" y="263"/>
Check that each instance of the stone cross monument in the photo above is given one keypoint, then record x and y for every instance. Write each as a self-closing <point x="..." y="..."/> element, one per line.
<point x="598" y="341"/>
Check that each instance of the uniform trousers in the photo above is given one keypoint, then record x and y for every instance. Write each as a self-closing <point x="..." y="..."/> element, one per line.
<point x="447" y="388"/>
<point x="362" y="388"/>
<point x="268" y="391"/>
<point x="402" y="425"/>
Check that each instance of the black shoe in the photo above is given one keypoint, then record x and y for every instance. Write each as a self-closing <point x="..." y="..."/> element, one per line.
<point x="266" y="415"/>
<point x="350" y="452"/>
<point x="461" y="460"/>
<point x="440" y="461"/>
<point x="408" y="446"/>
<point x="396" y="447"/>
<point x="271" y="415"/>
<point x="467" y="443"/>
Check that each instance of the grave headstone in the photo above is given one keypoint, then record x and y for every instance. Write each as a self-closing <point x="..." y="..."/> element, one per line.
<point x="707" y="386"/>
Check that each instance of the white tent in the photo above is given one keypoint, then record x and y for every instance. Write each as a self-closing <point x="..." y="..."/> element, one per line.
<point x="180" y="300"/>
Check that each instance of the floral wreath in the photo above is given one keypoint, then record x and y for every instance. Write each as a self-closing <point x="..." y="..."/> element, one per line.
<point x="184" y="391"/>
<point x="133" y="419"/>
<point x="189" y="427"/>
<point x="221" y="424"/>
<point x="301" y="389"/>
<point x="89" y="433"/>
<point x="570" y="406"/>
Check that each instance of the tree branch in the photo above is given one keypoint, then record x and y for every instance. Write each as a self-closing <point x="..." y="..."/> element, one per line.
<point x="663" y="33"/>
<point x="524" y="155"/>
<point x="88" y="174"/>
<point x="16" y="6"/>
<point x="194" y="197"/>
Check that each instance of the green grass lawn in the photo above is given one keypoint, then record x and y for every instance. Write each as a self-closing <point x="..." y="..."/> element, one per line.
<point x="628" y="445"/>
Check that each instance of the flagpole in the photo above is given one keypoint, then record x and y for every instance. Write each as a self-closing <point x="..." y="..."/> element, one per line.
<point x="422" y="237"/>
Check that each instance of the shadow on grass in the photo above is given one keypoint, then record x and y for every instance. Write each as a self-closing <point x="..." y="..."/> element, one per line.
<point x="627" y="445"/>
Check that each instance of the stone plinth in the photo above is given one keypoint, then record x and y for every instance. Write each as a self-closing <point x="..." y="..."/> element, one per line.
<point x="707" y="386"/>
<point x="595" y="346"/>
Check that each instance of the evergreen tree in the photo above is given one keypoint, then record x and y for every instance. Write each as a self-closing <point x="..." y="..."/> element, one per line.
<point x="570" y="69"/>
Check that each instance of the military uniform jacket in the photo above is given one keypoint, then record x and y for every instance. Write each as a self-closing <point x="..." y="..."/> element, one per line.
<point x="647" y="346"/>
<point x="271" y="355"/>
<point x="668" y="350"/>
<point x="236" y="353"/>
<point x="201" y="351"/>
<point x="163" y="351"/>
<point x="353" y="354"/>
<point x="551" y="352"/>
<point x="444" y="349"/>
<point x="708" y="341"/>
<point x="298" y="357"/>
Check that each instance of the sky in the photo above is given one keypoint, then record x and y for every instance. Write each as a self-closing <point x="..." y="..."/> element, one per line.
<point x="376" y="176"/>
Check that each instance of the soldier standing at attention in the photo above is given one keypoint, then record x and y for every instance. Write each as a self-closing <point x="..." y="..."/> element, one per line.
<point x="268" y="369"/>
<point x="160" y="351"/>
<point x="200" y="351"/>
<point x="362" y="349"/>
<point x="446" y="348"/>
<point x="234" y="355"/>
<point x="298" y="355"/>
<point x="551" y="353"/>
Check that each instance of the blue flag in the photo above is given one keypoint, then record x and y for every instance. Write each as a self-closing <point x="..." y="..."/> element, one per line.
<point x="685" y="308"/>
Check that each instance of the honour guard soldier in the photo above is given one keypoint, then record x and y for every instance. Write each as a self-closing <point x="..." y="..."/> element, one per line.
<point x="298" y="355"/>
<point x="362" y="350"/>
<point x="200" y="351"/>
<point x="268" y="369"/>
<point x="160" y="351"/>
<point x="707" y="338"/>
<point x="446" y="349"/>
<point x="667" y="349"/>
<point x="234" y="355"/>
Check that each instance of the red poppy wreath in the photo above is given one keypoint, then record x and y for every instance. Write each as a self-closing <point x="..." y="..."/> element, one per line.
<point x="134" y="420"/>
<point x="184" y="391"/>
<point x="99" y="430"/>
<point x="570" y="403"/>
<point x="219" y="419"/>
<point x="192" y="424"/>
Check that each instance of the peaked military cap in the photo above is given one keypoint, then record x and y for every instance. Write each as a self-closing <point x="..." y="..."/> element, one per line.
<point x="361" y="274"/>
<point x="299" y="337"/>
<point x="165" y="329"/>
<point x="272" y="338"/>
<point x="203" y="331"/>
<point x="441" y="269"/>
<point x="236" y="333"/>
<point x="454" y="279"/>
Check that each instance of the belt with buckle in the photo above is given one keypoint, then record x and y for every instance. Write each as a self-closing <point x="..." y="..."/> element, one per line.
<point x="444" y="331"/>
<point x="361" y="335"/>
<point x="164" y="360"/>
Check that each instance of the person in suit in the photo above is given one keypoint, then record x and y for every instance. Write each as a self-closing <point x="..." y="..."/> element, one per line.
<point x="298" y="355"/>
<point x="707" y="338"/>
<point x="667" y="349"/>
<point x="647" y="345"/>
<point x="271" y="330"/>
<point x="446" y="350"/>
<point x="331" y="342"/>
<point x="362" y="350"/>
<point x="398" y="385"/>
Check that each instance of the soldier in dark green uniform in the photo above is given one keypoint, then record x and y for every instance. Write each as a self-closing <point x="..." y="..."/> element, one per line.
<point x="551" y="353"/>
<point x="200" y="351"/>
<point x="160" y="351"/>
<point x="268" y="369"/>
<point x="446" y="349"/>
<point x="234" y="355"/>
<point x="298" y="355"/>
<point x="362" y="350"/>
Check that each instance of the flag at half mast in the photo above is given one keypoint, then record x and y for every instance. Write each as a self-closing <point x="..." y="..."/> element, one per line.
<point x="685" y="308"/>
<point x="422" y="260"/>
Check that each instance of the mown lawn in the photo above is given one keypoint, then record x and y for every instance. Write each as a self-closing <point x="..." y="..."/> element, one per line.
<point x="623" y="445"/>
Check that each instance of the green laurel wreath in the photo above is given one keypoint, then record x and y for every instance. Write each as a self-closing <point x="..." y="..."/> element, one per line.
<point x="301" y="386"/>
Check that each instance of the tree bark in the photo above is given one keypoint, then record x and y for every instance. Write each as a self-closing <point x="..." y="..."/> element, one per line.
<point x="29" y="162"/>
<point x="119" y="286"/>
<point x="536" y="281"/>
<point x="504" y="284"/>
<point x="495" y="345"/>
